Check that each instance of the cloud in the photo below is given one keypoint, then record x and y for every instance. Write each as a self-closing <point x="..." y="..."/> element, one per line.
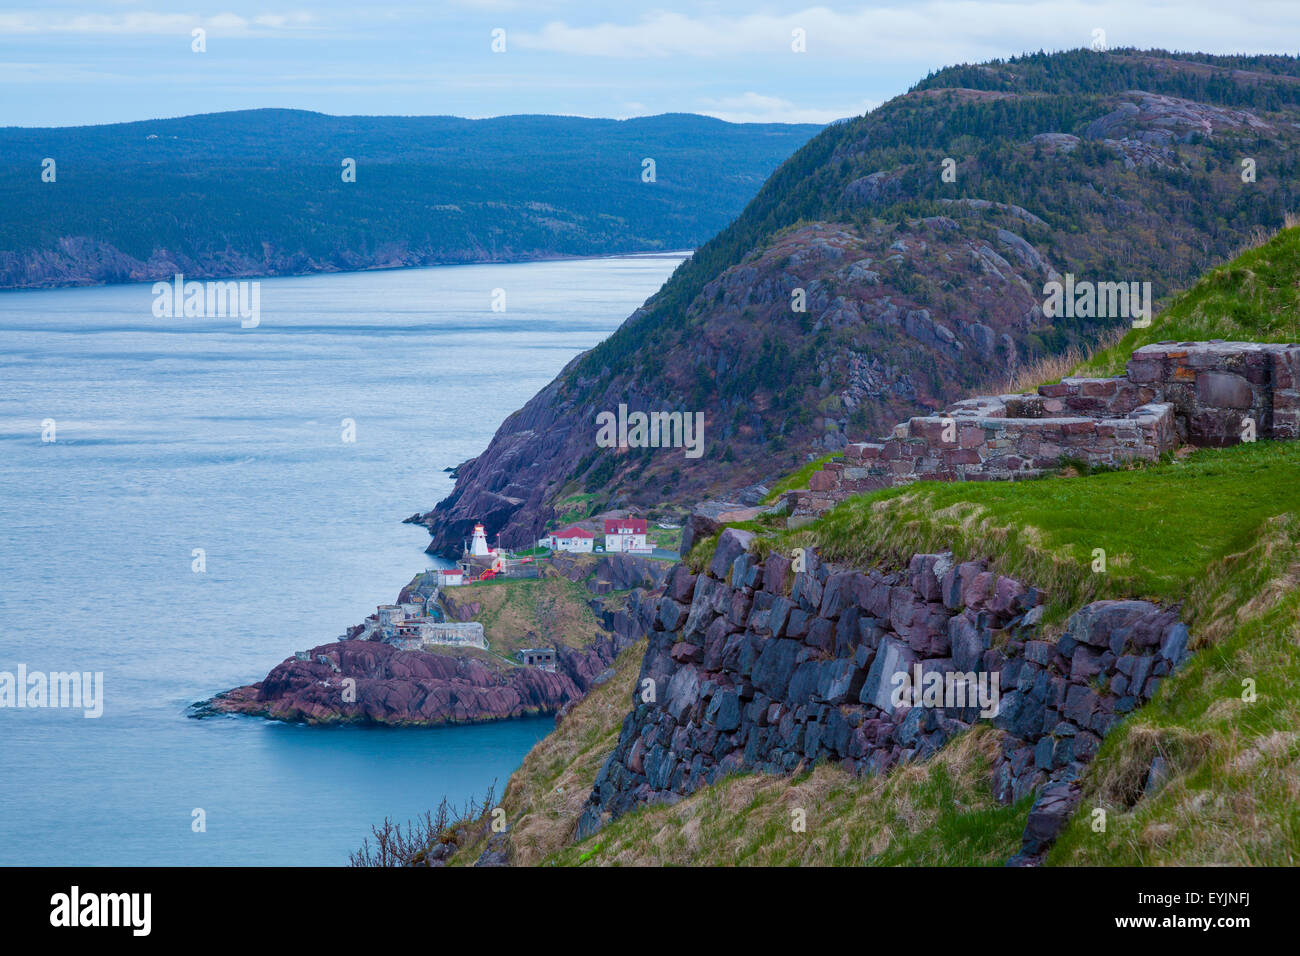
<point x="938" y="31"/>
<point x="756" y="108"/>
<point x="145" y="23"/>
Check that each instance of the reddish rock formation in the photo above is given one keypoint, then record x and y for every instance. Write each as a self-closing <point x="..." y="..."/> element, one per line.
<point x="411" y="688"/>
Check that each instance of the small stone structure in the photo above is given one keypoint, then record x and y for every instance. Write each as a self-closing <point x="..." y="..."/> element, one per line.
<point x="390" y="615"/>
<point x="420" y="632"/>
<point x="1214" y="386"/>
<point x="543" y="657"/>
<point x="1198" y="393"/>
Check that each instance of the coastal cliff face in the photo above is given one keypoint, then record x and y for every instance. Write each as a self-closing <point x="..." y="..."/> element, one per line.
<point x="917" y="287"/>
<point x="412" y="688"/>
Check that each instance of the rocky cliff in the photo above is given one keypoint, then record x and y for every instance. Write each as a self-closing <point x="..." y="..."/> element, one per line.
<point x="898" y="262"/>
<point x="369" y="681"/>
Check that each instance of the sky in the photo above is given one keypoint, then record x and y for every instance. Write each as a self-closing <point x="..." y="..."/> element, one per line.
<point x="64" y="62"/>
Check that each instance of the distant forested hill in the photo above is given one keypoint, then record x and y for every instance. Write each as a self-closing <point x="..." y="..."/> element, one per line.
<point x="260" y="192"/>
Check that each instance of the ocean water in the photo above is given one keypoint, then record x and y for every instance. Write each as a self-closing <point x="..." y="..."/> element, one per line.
<point x="177" y="434"/>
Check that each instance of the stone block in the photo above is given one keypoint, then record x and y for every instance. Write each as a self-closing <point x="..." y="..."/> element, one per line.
<point x="892" y="657"/>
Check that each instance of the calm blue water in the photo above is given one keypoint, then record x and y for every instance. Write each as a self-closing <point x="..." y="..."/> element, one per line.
<point x="177" y="434"/>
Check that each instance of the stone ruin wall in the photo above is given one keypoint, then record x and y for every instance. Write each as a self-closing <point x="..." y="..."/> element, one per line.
<point x="1196" y="393"/>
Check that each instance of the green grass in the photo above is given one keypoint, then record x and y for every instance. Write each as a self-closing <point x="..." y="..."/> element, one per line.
<point x="1161" y="526"/>
<point x="669" y="539"/>
<point x="531" y="612"/>
<point x="1253" y="298"/>
<point x="531" y="552"/>
<point x="574" y="508"/>
<point x="1233" y="796"/>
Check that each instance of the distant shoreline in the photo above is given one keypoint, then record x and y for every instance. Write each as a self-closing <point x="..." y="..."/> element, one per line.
<point x="257" y="277"/>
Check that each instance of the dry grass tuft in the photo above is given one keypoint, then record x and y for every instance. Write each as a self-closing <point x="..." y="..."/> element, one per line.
<point x="1053" y="368"/>
<point x="1121" y="781"/>
<point x="545" y="795"/>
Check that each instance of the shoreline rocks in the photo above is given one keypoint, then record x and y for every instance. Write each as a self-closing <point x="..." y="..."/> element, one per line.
<point x="396" y="688"/>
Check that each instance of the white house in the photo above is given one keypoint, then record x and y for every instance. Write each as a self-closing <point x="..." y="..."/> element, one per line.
<point x="570" y="539"/>
<point x="626" y="535"/>
<point x="449" y="577"/>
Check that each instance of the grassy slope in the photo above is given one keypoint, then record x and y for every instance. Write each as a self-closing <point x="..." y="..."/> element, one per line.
<point x="1218" y="531"/>
<point x="545" y="795"/>
<point x="537" y="612"/>
<point x="1233" y="796"/>
<point x="1255" y="298"/>
<point x="1160" y="526"/>
<point x="938" y="814"/>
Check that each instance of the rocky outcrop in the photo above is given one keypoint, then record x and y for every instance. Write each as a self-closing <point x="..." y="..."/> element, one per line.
<point x="708" y="517"/>
<point x="375" y="683"/>
<point x="611" y="572"/>
<point x="754" y="667"/>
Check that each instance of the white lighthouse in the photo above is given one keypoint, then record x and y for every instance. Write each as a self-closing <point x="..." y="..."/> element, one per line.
<point x="479" y="546"/>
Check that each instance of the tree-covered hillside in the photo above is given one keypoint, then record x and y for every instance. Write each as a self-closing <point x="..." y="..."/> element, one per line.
<point x="922" y="236"/>
<point x="262" y="191"/>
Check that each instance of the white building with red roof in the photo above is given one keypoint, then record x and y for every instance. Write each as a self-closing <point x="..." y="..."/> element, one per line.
<point x="626" y="535"/>
<point x="573" y="539"/>
<point x="449" y="577"/>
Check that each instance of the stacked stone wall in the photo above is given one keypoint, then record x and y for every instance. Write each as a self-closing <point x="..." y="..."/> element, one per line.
<point x="751" y="667"/>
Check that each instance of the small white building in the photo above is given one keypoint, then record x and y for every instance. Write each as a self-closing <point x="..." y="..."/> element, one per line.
<point x="570" y="539"/>
<point x="449" y="577"/>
